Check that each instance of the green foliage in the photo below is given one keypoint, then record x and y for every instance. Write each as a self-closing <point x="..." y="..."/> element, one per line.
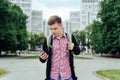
<point x="20" y="25"/>
<point x="96" y="37"/>
<point x="13" y="34"/>
<point x="81" y="38"/>
<point x="36" y="40"/>
<point x="88" y="31"/>
<point x="105" y="36"/>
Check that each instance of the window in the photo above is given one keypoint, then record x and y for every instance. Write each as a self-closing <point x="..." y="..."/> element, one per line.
<point x="84" y="22"/>
<point x="75" y="14"/>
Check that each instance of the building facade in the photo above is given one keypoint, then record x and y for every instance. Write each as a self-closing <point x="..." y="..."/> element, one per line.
<point x="74" y="21"/>
<point x="37" y="21"/>
<point x="26" y="6"/>
<point x="66" y="26"/>
<point x="46" y="29"/>
<point x="89" y="10"/>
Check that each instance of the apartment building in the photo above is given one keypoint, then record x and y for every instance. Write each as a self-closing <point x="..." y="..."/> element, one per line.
<point x="74" y="21"/>
<point x="89" y="10"/>
<point x="46" y="29"/>
<point x="37" y="21"/>
<point x="66" y="26"/>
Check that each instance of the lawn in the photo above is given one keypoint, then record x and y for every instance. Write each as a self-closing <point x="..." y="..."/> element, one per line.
<point x="110" y="74"/>
<point x="30" y="57"/>
<point x="36" y="57"/>
<point x="79" y="57"/>
<point x="2" y="72"/>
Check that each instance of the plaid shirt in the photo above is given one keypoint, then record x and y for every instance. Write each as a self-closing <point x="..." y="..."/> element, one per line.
<point x="60" y="59"/>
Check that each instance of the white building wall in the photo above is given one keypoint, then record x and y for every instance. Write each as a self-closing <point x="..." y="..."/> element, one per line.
<point x="26" y="6"/>
<point x="46" y="28"/>
<point x="66" y="26"/>
<point x="37" y="22"/>
<point x="89" y="10"/>
<point x="74" y="21"/>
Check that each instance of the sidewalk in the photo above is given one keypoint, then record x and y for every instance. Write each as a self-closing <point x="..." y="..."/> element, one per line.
<point x="32" y="69"/>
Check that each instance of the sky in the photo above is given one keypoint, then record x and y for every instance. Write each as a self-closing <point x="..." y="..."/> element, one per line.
<point x="56" y="7"/>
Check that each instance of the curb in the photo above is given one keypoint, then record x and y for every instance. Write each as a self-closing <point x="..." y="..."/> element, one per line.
<point x="102" y="77"/>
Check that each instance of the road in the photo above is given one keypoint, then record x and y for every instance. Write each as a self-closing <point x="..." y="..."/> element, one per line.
<point x="32" y="69"/>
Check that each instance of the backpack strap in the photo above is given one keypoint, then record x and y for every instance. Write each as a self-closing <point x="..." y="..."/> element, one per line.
<point x="49" y="39"/>
<point x="69" y="37"/>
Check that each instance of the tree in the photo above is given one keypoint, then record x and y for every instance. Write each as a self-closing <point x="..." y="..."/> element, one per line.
<point x="36" y="40"/>
<point x="12" y="24"/>
<point x="81" y="38"/>
<point x="109" y="14"/>
<point x="96" y="38"/>
<point x="19" y="19"/>
<point x="7" y="37"/>
<point x="88" y="31"/>
<point x="105" y="37"/>
<point x="77" y="36"/>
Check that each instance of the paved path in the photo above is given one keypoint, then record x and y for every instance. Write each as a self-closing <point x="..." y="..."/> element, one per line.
<point x="32" y="69"/>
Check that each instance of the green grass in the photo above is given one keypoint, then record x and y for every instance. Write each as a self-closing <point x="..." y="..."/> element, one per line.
<point x="30" y="57"/>
<point x="2" y="72"/>
<point x="79" y="57"/>
<point x="36" y="57"/>
<point x="110" y="74"/>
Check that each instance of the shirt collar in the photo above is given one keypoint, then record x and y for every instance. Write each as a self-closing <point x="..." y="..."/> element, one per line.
<point x="63" y="35"/>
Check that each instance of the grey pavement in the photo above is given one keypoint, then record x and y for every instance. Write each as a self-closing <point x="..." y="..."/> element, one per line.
<point x="32" y="69"/>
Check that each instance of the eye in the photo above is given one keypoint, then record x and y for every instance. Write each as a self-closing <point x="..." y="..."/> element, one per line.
<point x="50" y="28"/>
<point x="55" y="28"/>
